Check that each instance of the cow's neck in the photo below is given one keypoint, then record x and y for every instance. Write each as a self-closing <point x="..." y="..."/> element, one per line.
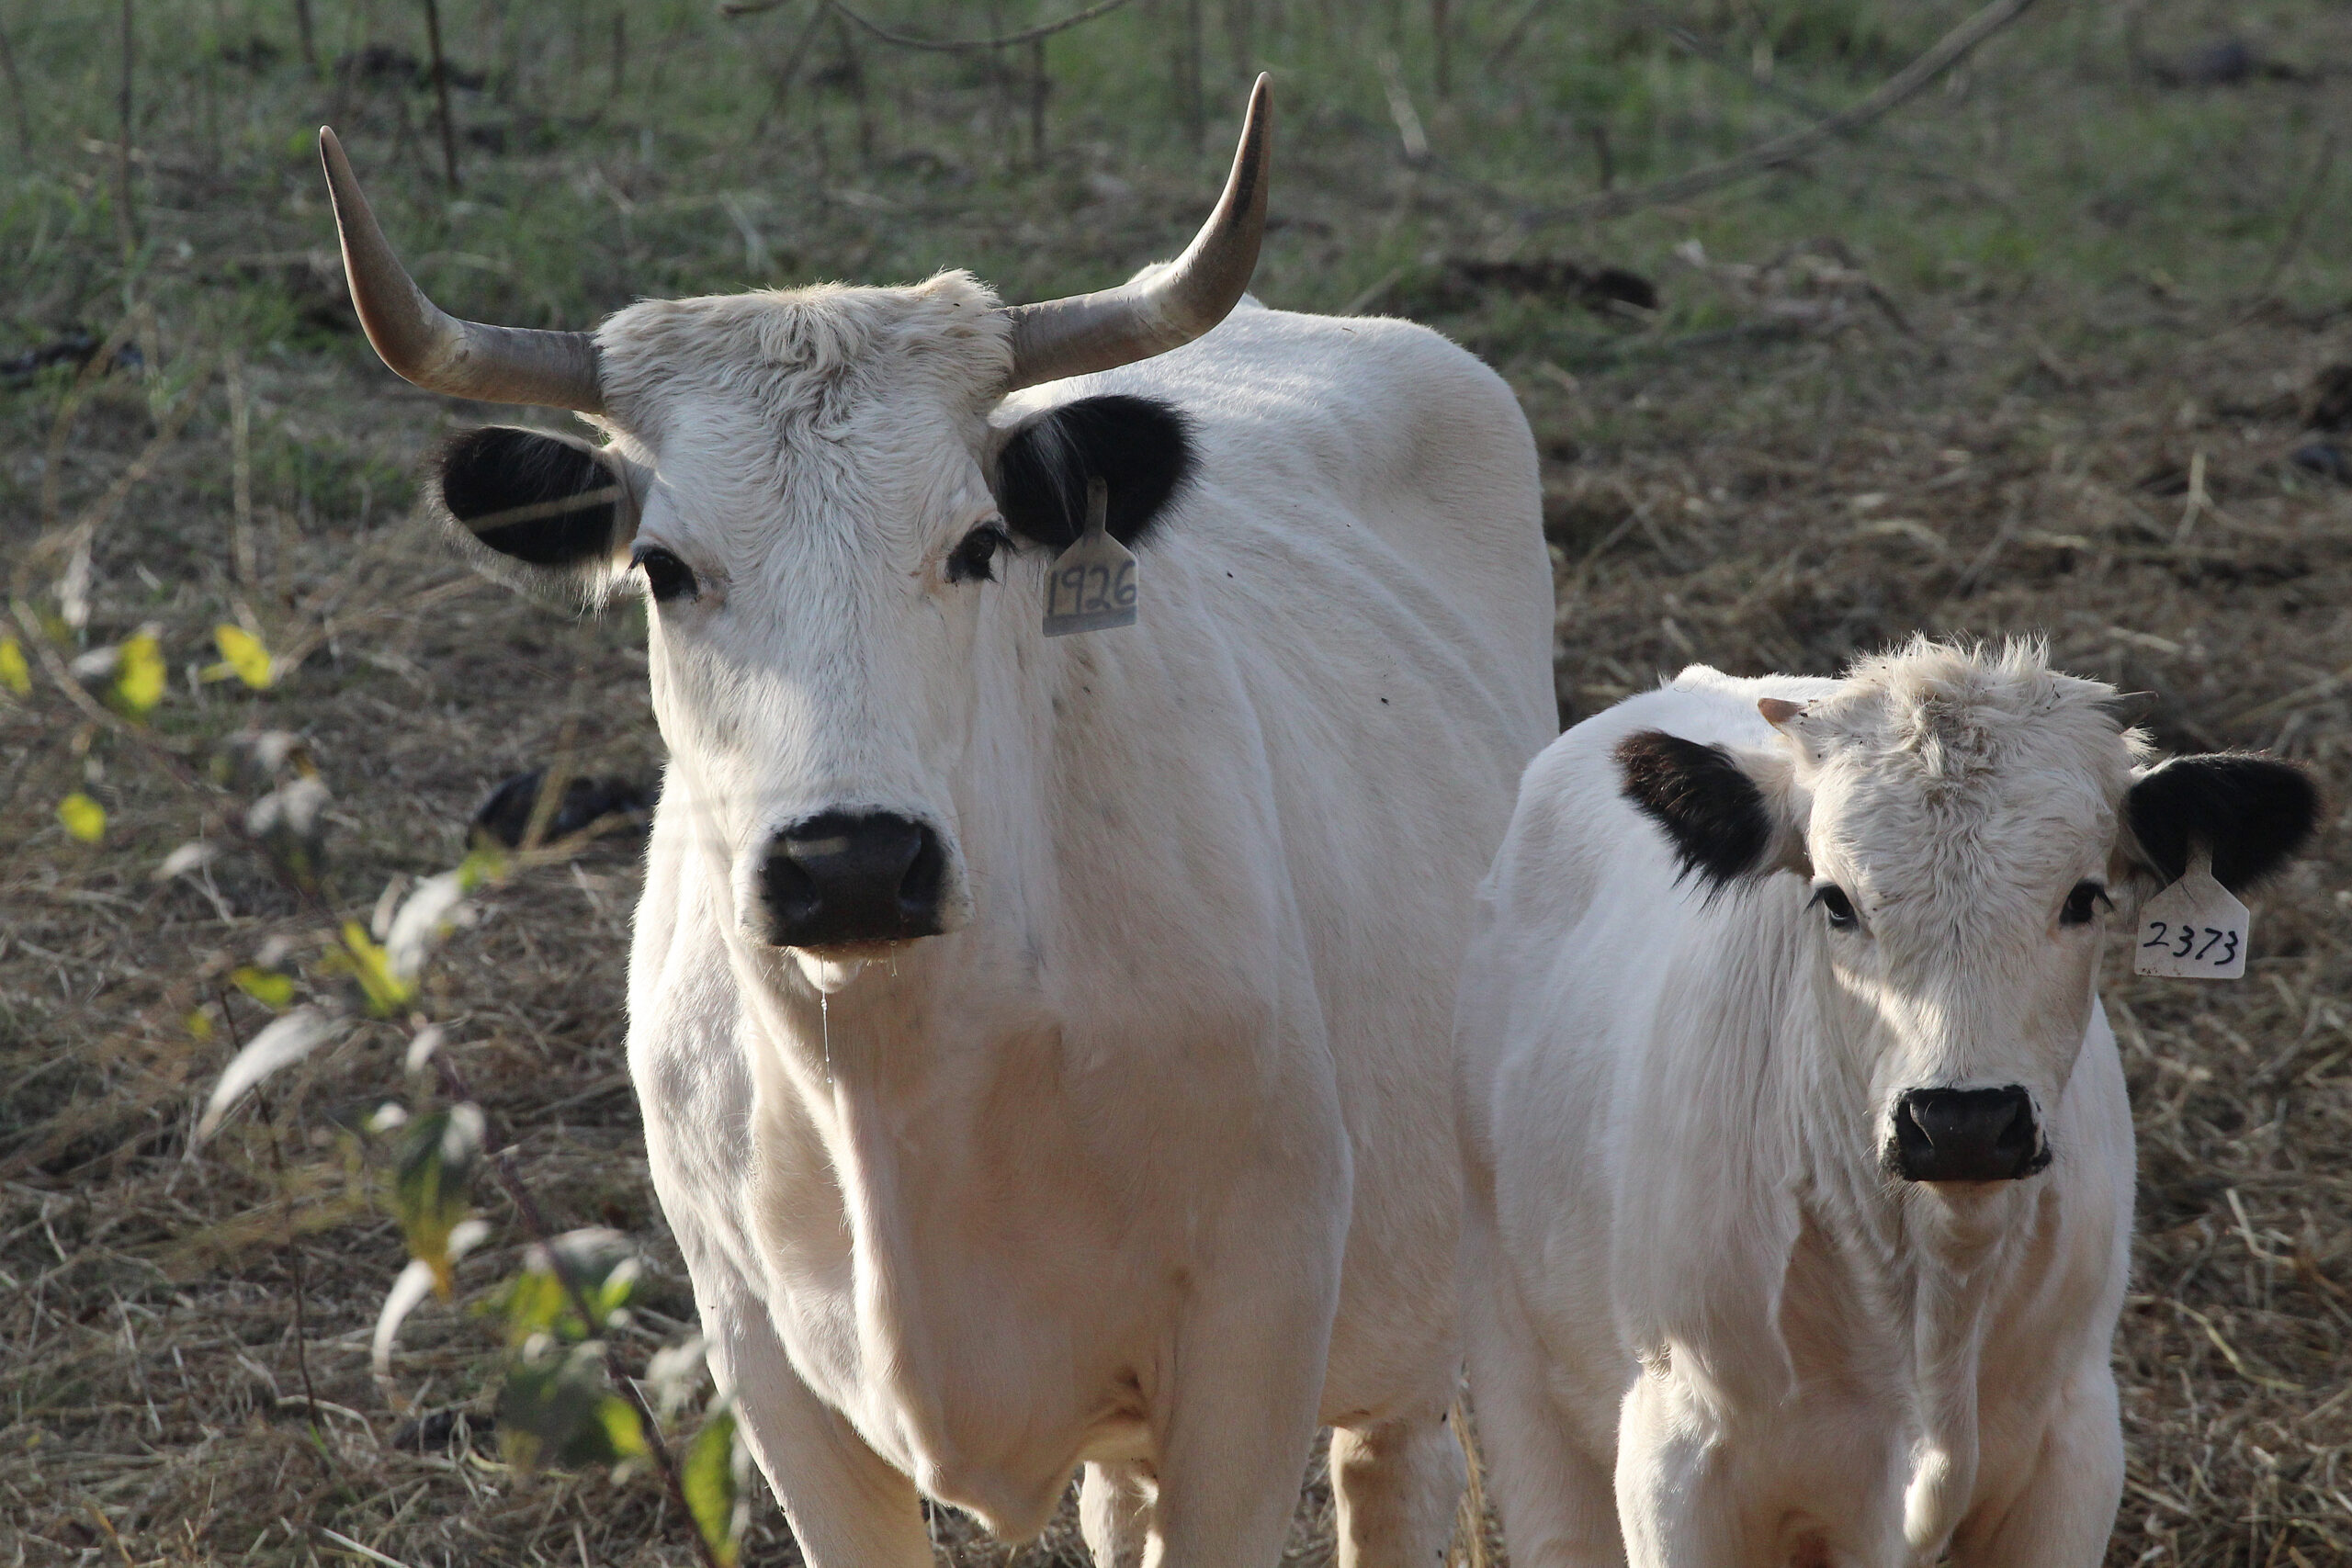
<point x="1931" y="1263"/>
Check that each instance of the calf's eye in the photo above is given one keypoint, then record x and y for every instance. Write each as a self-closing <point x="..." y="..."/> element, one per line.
<point x="666" y="577"/>
<point x="975" y="557"/>
<point x="2082" y="903"/>
<point x="1837" y="906"/>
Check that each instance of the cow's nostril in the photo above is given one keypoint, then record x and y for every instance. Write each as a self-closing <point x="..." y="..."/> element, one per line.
<point x="918" y="890"/>
<point x="843" y="877"/>
<point x="791" y="893"/>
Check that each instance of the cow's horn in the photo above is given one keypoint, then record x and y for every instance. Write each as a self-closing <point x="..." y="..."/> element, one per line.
<point x="434" y="350"/>
<point x="1118" y="326"/>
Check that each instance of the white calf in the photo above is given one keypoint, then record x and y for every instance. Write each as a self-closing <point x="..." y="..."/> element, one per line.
<point x="1800" y="1163"/>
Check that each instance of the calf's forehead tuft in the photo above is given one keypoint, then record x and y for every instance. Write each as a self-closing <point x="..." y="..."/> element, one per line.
<point x="1950" y="716"/>
<point x="1954" y="768"/>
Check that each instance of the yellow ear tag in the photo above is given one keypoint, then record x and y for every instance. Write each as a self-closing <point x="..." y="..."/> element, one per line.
<point x="1091" y="587"/>
<point x="2194" y="930"/>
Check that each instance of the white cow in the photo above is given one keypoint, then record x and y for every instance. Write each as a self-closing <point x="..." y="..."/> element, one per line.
<point x="1043" y="1044"/>
<point x="1800" y="1163"/>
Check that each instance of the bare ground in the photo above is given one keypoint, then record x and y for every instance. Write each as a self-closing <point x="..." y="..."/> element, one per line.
<point x="184" y="1333"/>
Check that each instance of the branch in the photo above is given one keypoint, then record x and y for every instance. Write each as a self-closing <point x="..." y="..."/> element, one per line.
<point x="502" y="1161"/>
<point x="939" y="46"/>
<point x="1897" y="90"/>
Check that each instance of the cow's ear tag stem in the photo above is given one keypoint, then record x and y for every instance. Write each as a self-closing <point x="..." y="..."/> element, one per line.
<point x="2194" y="930"/>
<point x="1091" y="587"/>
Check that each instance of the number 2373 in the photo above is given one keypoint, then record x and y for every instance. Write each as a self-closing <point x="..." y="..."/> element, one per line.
<point x="2182" y="942"/>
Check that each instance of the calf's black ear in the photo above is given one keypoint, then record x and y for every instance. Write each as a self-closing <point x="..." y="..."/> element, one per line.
<point x="2251" y="813"/>
<point x="1142" y="447"/>
<point x="1713" y="809"/>
<point x="536" y="511"/>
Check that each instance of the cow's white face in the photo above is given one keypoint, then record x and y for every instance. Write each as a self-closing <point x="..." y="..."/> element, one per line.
<point x="807" y="489"/>
<point x="1966" y="822"/>
<point x="814" y="540"/>
<point x="1958" y="831"/>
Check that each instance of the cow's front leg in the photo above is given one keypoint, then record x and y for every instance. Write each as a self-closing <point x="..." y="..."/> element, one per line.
<point x="1398" y="1485"/>
<point x="849" y="1507"/>
<point x="1675" y="1497"/>
<point x="1238" y="1414"/>
<point x="2066" y="1512"/>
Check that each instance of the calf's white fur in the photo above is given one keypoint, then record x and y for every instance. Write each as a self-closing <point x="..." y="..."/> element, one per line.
<point x="1708" y="1327"/>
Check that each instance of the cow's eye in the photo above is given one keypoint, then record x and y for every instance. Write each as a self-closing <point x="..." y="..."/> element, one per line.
<point x="666" y="577"/>
<point x="2082" y="903"/>
<point x="975" y="557"/>
<point x="1840" y="908"/>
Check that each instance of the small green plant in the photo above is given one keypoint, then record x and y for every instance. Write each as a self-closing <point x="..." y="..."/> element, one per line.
<point x="565" y="1396"/>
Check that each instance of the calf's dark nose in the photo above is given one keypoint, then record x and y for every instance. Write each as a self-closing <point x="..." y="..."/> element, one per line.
<point x="843" y="877"/>
<point x="1966" y="1134"/>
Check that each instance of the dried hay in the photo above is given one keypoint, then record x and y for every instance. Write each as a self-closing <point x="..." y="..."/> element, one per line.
<point x="1772" y="506"/>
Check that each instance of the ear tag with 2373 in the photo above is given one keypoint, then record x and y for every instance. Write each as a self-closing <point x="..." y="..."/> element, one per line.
<point x="1091" y="585"/>
<point x="2194" y="930"/>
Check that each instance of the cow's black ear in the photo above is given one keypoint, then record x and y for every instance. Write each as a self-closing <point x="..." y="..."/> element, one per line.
<point x="1715" y="813"/>
<point x="1142" y="447"/>
<point x="537" y="510"/>
<point x="2251" y="813"/>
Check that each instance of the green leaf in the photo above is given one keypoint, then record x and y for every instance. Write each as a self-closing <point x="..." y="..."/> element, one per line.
<point x="600" y="1263"/>
<point x="712" y="1480"/>
<point x="267" y="987"/>
<point x="14" y="674"/>
<point x="243" y="656"/>
<point x="432" y="1184"/>
<point x="533" y="1304"/>
<point x="481" y="867"/>
<point x="623" y="1430"/>
<point x="385" y="990"/>
<point x="556" y="1408"/>
<point x="84" y="817"/>
<point x="140" y="677"/>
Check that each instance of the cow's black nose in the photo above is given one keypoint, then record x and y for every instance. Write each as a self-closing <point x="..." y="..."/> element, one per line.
<point x="1966" y="1134"/>
<point x="852" y="876"/>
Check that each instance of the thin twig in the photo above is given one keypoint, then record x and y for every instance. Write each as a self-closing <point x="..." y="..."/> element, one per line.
<point x="1897" y="90"/>
<point x="16" y="96"/>
<point x="2321" y="166"/>
<point x="241" y="477"/>
<point x="310" y="42"/>
<point x="1513" y="34"/>
<point x="453" y="1083"/>
<point x="126" y="221"/>
<point x="293" y="1242"/>
<point x="939" y="46"/>
<point x="441" y="91"/>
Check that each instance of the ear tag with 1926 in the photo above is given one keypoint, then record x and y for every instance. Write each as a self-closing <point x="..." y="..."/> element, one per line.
<point x="2194" y="930"/>
<point x="1091" y="585"/>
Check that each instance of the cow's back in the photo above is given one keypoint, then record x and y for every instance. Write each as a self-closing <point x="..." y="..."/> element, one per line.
<point x="1358" y="572"/>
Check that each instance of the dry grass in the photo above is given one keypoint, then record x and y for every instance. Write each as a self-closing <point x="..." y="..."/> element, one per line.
<point x="1804" y="474"/>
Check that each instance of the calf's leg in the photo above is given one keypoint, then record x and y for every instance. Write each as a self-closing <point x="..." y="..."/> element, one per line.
<point x="1558" y="1507"/>
<point x="2066" y="1512"/>
<point x="1675" y="1497"/>
<point x="1398" y="1485"/>
<point x="1115" y="1514"/>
